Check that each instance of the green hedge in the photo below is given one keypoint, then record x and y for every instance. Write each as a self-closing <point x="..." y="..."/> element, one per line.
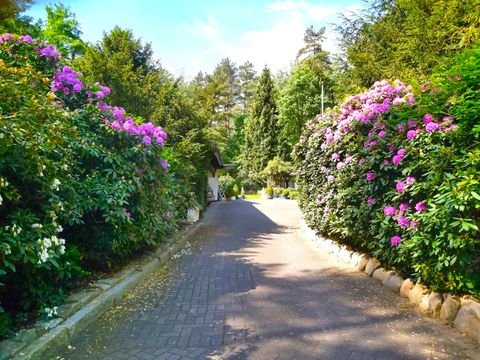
<point x="398" y="176"/>
<point x="82" y="184"/>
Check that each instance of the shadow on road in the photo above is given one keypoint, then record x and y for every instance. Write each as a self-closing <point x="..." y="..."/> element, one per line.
<point x="250" y="288"/>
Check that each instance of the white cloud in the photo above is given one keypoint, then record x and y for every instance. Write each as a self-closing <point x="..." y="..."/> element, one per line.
<point x="210" y="28"/>
<point x="275" y="45"/>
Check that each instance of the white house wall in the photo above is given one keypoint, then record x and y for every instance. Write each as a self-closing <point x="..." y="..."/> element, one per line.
<point x="213" y="183"/>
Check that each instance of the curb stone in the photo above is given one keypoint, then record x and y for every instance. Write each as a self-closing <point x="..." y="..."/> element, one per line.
<point x="81" y="309"/>
<point x="462" y="313"/>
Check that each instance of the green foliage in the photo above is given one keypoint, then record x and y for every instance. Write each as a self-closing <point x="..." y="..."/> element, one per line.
<point x="127" y="66"/>
<point x="286" y="193"/>
<point x="269" y="192"/>
<point x="63" y="31"/>
<point x="300" y="100"/>
<point x="277" y="172"/>
<point x="228" y="184"/>
<point x="439" y="244"/>
<point x="261" y="130"/>
<point x="76" y="194"/>
<point x="294" y="194"/>
<point x="406" y="39"/>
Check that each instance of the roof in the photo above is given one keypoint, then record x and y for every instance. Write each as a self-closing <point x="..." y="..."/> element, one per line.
<point x="216" y="160"/>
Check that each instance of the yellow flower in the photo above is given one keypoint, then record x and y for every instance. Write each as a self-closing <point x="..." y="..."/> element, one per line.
<point x="51" y="96"/>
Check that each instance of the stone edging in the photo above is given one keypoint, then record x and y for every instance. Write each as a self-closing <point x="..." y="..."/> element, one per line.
<point x="86" y="306"/>
<point x="463" y="313"/>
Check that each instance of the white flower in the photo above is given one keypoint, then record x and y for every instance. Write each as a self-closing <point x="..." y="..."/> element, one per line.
<point x="6" y="249"/>
<point x="51" y="312"/>
<point x="55" y="184"/>
<point x="37" y="226"/>
<point x="59" y="228"/>
<point x="1" y="200"/>
<point x="16" y="230"/>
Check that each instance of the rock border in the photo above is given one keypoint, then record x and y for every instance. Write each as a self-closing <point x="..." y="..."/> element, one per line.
<point x="463" y="313"/>
<point x="86" y="306"/>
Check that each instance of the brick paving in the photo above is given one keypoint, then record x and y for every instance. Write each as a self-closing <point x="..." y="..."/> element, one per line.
<point x="251" y="287"/>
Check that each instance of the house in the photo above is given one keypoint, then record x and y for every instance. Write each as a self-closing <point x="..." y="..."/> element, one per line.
<point x="214" y="165"/>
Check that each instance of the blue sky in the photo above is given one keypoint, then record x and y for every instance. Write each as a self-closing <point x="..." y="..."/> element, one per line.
<point x="191" y="35"/>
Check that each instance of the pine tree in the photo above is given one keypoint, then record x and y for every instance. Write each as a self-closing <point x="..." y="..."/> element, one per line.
<point x="261" y="130"/>
<point x="247" y="77"/>
<point x="128" y="68"/>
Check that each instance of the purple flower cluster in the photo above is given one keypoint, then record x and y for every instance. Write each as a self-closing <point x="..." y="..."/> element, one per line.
<point x="67" y="81"/>
<point x="148" y="132"/>
<point x="49" y="52"/>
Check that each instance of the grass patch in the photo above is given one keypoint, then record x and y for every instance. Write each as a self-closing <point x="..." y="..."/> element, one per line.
<point x="253" y="197"/>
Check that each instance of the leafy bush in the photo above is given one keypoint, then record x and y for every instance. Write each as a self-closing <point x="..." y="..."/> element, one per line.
<point x="269" y="192"/>
<point x="82" y="183"/>
<point x="277" y="191"/>
<point x="227" y="182"/>
<point x="294" y="195"/>
<point x="285" y="193"/>
<point x="399" y="178"/>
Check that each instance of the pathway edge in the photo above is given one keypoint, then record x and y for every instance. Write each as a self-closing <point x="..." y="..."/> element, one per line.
<point x="86" y="306"/>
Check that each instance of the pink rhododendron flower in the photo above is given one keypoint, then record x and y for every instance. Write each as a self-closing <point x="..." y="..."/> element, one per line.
<point x="402" y="152"/>
<point x="386" y="162"/>
<point x="164" y="163"/>
<point x="397" y="159"/>
<point x="371" y="201"/>
<point x="348" y="159"/>
<point x="382" y="134"/>
<point x="147" y="140"/>
<point x="413" y="224"/>
<point x="370" y="176"/>
<point x="410" y="180"/>
<point x="412" y="123"/>
<point x="395" y="240"/>
<point x="420" y="206"/>
<point x="427" y="118"/>
<point x="431" y="127"/>
<point x="27" y="39"/>
<point x="49" y="51"/>
<point x="319" y="199"/>
<point x="403" y="221"/>
<point x="340" y="165"/>
<point x="330" y="178"/>
<point x="400" y="127"/>
<point x="400" y="186"/>
<point x="335" y="157"/>
<point x="403" y="207"/>
<point x="100" y="94"/>
<point x="389" y="210"/>
<point x="411" y="134"/>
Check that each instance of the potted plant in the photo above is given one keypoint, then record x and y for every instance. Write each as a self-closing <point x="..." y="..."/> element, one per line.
<point x="285" y="193"/>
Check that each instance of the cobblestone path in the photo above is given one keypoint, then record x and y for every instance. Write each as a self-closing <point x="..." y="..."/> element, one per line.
<point x="251" y="287"/>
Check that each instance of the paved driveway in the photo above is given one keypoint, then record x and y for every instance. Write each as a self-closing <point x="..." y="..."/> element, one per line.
<point x="251" y="287"/>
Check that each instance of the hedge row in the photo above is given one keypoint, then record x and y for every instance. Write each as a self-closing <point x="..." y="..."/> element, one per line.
<point x="82" y="183"/>
<point x="398" y="175"/>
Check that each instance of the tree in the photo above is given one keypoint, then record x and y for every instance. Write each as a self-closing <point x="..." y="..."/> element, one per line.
<point x="63" y="31"/>
<point x="406" y="39"/>
<point x="128" y="68"/>
<point x="277" y="172"/>
<point x="12" y="21"/>
<point x="10" y="9"/>
<point x="301" y="94"/>
<point x="261" y="129"/>
<point x="247" y="77"/>
<point x="313" y="42"/>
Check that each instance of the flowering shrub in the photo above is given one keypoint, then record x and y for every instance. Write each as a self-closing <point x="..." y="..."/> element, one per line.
<point x="82" y="183"/>
<point x="398" y="177"/>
